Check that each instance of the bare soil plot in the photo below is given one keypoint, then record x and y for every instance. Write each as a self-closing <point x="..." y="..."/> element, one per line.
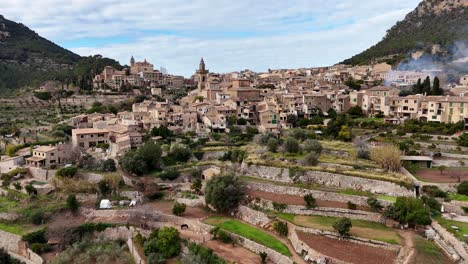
<point x="431" y="175"/>
<point x="348" y="251"/>
<point x="236" y="254"/>
<point x="190" y="212"/>
<point x="298" y="200"/>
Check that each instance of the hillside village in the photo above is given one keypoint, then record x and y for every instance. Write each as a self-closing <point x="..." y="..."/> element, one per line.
<point x="322" y="165"/>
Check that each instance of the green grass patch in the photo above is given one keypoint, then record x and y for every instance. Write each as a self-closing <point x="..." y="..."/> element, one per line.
<point x="13" y="228"/>
<point x="458" y="197"/>
<point x="7" y="205"/>
<point x="386" y="198"/>
<point x="427" y="252"/>
<point x="249" y="232"/>
<point x="447" y="224"/>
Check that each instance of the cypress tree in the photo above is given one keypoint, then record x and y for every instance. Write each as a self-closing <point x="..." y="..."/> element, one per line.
<point x="436" y="90"/>
<point x="426" y="86"/>
<point x="417" y="88"/>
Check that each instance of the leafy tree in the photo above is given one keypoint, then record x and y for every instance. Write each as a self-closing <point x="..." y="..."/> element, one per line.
<point x="291" y="145"/>
<point x="272" y="144"/>
<point x="142" y="160"/>
<point x="344" y="134"/>
<point x="30" y="189"/>
<point x="411" y="211"/>
<point x="179" y="208"/>
<point x="181" y="153"/>
<point x="310" y="201"/>
<point x="109" y="165"/>
<point x="462" y="188"/>
<point x="312" y="146"/>
<point x="355" y="111"/>
<point x="311" y="159"/>
<point x="442" y="168"/>
<point x="161" y="131"/>
<point x="281" y="228"/>
<point x="5" y="258"/>
<point x="72" y="203"/>
<point x="168" y="242"/>
<point x="351" y="205"/>
<point x="224" y="192"/>
<point x="343" y="226"/>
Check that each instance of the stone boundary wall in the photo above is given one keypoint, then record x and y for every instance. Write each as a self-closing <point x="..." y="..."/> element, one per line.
<point x="328" y="179"/>
<point x="252" y="216"/>
<point x="11" y="243"/>
<point x="353" y="239"/>
<point x="453" y="208"/>
<point x="451" y="240"/>
<point x="42" y="174"/>
<point x="273" y="255"/>
<point x="319" y="195"/>
<point x="213" y="155"/>
<point x="133" y="250"/>
<point x="326" y="211"/>
<point x="302" y="247"/>
<point x="192" y="202"/>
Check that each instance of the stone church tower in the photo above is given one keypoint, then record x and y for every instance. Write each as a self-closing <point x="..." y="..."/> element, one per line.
<point x="132" y="61"/>
<point x="202" y="76"/>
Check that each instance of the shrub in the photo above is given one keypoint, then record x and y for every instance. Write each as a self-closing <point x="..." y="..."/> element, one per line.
<point x="223" y="236"/>
<point x="40" y="248"/>
<point x="462" y="188"/>
<point x="281" y="228"/>
<point x="179" y="208"/>
<point x="263" y="257"/>
<point x="374" y="204"/>
<point x="409" y="210"/>
<point x="72" y="203"/>
<point x="142" y="160"/>
<point x="168" y="242"/>
<point x="67" y="172"/>
<point x="343" y="226"/>
<point x="181" y="153"/>
<point x="37" y="218"/>
<point x="310" y="201"/>
<point x="311" y="159"/>
<point x="199" y="154"/>
<point x="109" y="165"/>
<point x="196" y="185"/>
<point x="312" y="146"/>
<point x="170" y="175"/>
<point x="279" y="206"/>
<point x="30" y="189"/>
<point x="351" y="205"/>
<point x="273" y="144"/>
<point x="463" y="140"/>
<point x="291" y="145"/>
<point x="388" y="157"/>
<point x="5" y="258"/>
<point x="35" y="237"/>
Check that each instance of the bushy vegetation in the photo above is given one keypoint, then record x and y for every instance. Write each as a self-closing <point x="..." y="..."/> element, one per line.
<point x="281" y="228"/>
<point x="409" y="210"/>
<point x="462" y="188"/>
<point x="179" y="208"/>
<point x="5" y="258"/>
<point x="67" y="172"/>
<point x="310" y="201"/>
<point x="343" y="226"/>
<point x="143" y="159"/>
<point x="198" y="254"/>
<point x="164" y="242"/>
<point x="224" y="192"/>
<point x="388" y="157"/>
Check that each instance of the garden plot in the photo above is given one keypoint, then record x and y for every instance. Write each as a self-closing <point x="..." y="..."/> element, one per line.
<point x="450" y="175"/>
<point x="348" y="251"/>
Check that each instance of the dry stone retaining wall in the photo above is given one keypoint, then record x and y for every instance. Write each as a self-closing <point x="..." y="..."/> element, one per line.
<point x="11" y="243"/>
<point x="451" y="240"/>
<point x="252" y="216"/>
<point x="327" y="179"/>
<point x="325" y="211"/>
<point x="319" y="195"/>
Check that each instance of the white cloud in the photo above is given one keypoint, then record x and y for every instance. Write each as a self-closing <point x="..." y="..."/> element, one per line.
<point x="231" y="35"/>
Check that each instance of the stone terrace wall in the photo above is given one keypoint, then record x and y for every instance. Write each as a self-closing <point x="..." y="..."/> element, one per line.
<point x="450" y="239"/>
<point x="136" y="255"/>
<point x="9" y="241"/>
<point x="252" y="216"/>
<point x="328" y="179"/>
<point x="326" y="211"/>
<point x="319" y="195"/>
<point x="274" y="256"/>
<point x="42" y="174"/>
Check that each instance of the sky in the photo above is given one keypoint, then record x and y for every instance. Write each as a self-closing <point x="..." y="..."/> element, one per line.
<point x="229" y="35"/>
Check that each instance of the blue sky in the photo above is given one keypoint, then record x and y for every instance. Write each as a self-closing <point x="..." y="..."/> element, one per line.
<point x="230" y="35"/>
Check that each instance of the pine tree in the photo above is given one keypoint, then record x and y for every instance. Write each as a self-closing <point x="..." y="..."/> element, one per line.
<point x="436" y="90"/>
<point x="426" y="86"/>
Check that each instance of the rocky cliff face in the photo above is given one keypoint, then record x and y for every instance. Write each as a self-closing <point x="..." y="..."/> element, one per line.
<point x="435" y="27"/>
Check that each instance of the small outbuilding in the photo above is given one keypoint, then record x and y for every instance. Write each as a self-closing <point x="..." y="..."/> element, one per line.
<point x="421" y="161"/>
<point x="210" y="172"/>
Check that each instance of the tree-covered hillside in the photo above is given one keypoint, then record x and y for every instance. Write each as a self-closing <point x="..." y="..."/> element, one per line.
<point x="27" y="59"/>
<point x="442" y="22"/>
